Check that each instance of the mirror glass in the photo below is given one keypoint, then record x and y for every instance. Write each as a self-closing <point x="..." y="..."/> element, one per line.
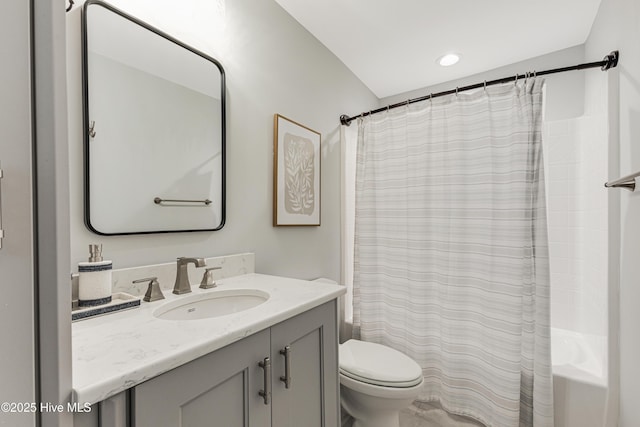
<point x="154" y="115"/>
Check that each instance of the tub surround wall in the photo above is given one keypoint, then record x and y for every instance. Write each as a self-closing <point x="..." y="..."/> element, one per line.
<point x="575" y="153"/>
<point x="562" y="188"/>
<point x="594" y="157"/>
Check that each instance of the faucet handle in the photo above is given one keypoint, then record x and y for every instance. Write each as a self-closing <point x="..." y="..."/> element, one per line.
<point x="207" y="278"/>
<point x="154" y="293"/>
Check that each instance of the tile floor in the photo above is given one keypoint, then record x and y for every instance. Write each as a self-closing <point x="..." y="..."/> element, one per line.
<point x="426" y="415"/>
<point x="431" y="415"/>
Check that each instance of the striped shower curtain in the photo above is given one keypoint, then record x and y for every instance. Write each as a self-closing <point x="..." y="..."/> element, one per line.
<point x="451" y="257"/>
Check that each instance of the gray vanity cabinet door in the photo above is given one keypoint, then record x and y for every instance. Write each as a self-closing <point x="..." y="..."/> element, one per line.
<point x="217" y="390"/>
<point x="312" y="399"/>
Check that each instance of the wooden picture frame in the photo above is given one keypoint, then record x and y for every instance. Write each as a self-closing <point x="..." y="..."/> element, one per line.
<point x="296" y="174"/>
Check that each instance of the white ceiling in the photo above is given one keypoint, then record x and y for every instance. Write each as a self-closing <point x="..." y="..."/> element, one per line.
<point x="393" y="45"/>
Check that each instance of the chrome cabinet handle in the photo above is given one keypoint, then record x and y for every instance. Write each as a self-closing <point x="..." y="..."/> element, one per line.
<point x="266" y="393"/>
<point x="286" y="379"/>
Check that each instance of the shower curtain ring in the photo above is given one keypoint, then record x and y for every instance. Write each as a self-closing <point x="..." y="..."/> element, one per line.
<point x="456" y="91"/>
<point x="515" y="82"/>
<point x="485" y="85"/>
<point x="534" y="74"/>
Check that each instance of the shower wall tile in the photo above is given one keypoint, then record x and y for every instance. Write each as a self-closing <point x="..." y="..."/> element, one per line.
<point x="575" y="268"/>
<point x="558" y="219"/>
<point x="559" y="250"/>
<point x="557" y="128"/>
<point x="575" y="252"/>
<point x="559" y="189"/>
<point x="593" y="134"/>
<point x="562" y="268"/>
<point x="558" y="234"/>
<point x="575" y="168"/>
<point x="558" y="172"/>
<point x="558" y="204"/>
<point x="574" y="203"/>
<point x="563" y="312"/>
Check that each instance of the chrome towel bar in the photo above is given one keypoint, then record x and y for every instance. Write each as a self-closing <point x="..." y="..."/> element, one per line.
<point x="159" y="201"/>
<point x="628" y="182"/>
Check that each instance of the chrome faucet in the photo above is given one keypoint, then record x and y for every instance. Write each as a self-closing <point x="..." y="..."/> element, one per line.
<point x="182" y="285"/>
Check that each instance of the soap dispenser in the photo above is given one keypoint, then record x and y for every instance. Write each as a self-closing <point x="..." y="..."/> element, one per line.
<point x="94" y="281"/>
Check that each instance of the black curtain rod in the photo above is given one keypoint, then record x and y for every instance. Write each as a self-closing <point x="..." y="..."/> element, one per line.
<point x="609" y="61"/>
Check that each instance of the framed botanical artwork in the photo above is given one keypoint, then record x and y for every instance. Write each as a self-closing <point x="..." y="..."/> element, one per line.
<point x="296" y="173"/>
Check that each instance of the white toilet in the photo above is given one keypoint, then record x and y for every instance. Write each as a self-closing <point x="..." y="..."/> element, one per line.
<point x="376" y="382"/>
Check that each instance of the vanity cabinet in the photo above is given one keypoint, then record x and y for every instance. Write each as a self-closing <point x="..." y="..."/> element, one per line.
<point x="226" y="388"/>
<point x="220" y="388"/>
<point x="310" y="343"/>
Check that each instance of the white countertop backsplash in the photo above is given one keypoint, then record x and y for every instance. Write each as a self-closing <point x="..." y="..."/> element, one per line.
<point x="231" y="265"/>
<point x="115" y="352"/>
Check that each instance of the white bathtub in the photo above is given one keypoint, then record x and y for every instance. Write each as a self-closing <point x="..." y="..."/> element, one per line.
<point x="579" y="378"/>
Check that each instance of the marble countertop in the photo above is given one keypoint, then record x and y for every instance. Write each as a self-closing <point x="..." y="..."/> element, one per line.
<point x="117" y="351"/>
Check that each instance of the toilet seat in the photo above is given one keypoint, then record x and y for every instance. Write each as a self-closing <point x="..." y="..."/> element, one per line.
<point x="378" y="365"/>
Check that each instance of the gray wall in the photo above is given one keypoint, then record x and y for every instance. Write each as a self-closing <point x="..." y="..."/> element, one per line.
<point x="273" y="66"/>
<point x="616" y="27"/>
<point x="17" y="371"/>
<point x="36" y="341"/>
<point x="564" y="92"/>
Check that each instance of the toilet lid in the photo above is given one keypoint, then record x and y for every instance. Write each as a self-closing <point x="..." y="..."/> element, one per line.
<point x="378" y="364"/>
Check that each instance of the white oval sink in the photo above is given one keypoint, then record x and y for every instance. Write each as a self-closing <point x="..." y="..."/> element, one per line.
<point x="209" y="305"/>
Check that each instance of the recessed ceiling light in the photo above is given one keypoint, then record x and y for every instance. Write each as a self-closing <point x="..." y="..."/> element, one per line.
<point x="449" y="59"/>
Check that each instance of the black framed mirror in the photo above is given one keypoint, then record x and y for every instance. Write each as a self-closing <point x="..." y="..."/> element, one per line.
<point x="154" y="128"/>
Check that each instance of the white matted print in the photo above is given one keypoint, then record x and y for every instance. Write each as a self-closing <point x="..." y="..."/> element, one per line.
<point x="296" y="173"/>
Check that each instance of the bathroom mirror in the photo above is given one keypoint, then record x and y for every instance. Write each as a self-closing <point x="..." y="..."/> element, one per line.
<point x="154" y="129"/>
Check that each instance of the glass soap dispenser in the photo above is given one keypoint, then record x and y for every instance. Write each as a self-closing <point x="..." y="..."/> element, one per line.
<point x="94" y="279"/>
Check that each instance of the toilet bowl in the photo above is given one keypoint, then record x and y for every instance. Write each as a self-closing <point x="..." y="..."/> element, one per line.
<point x="376" y="382"/>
